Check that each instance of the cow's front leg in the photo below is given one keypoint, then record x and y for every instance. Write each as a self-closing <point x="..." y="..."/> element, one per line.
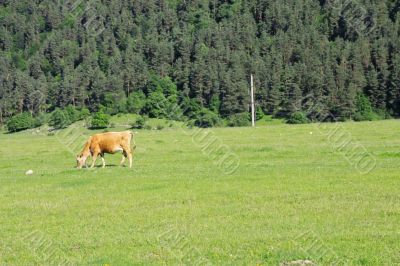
<point x="94" y="159"/>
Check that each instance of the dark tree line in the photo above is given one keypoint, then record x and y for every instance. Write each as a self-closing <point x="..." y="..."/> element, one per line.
<point x="139" y="54"/>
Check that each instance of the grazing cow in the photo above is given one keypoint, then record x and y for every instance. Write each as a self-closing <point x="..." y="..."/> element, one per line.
<point x="110" y="142"/>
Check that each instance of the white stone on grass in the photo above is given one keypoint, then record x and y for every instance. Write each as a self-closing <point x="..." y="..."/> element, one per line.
<point x="29" y="172"/>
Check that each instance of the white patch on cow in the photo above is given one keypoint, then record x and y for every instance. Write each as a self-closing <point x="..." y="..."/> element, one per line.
<point x="118" y="149"/>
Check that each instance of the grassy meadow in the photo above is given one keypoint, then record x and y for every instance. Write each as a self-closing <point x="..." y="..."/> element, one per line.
<point x="293" y="196"/>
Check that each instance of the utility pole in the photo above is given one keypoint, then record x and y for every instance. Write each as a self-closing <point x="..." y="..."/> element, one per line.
<point x="253" y="121"/>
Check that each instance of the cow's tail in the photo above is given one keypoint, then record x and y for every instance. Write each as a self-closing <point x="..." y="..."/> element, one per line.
<point x="133" y="139"/>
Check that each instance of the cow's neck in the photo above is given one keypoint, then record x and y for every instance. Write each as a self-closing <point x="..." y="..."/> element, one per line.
<point x="86" y="150"/>
<point x="86" y="153"/>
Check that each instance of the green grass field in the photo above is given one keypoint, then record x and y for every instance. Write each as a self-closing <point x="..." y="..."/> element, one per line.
<point x="294" y="196"/>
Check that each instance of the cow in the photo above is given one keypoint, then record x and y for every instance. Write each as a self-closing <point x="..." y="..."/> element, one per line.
<point x="110" y="142"/>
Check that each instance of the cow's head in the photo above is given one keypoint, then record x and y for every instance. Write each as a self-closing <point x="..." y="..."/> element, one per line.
<point x="80" y="161"/>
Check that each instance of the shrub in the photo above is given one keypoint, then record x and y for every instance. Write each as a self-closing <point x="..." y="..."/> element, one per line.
<point x="382" y="114"/>
<point x="190" y="124"/>
<point x="135" y="102"/>
<point x="99" y="120"/>
<point x="84" y="113"/>
<point x="59" y="119"/>
<point x="140" y="122"/>
<point x="269" y="118"/>
<point x="215" y="104"/>
<point x="20" y="122"/>
<point x="40" y="120"/>
<point x="298" y="118"/>
<point x="173" y="111"/>
<point x="190" y="108"/>
<point x="259" y="113"/>
<point x="364" y="109"/>
<point x="365" y="112"/>
<point x="156" y="105"/>
<point x="165" y="85"/>
<point x="63" y="118"/>
<point x="239" y="120"/>
<point x="162" y="98"/>
<point x="114" y="103"/>
<point x="72" y="113"/>
<point x="206" y="118"/>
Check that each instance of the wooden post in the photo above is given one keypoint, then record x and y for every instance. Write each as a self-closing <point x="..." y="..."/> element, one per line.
<point x="253" y="113"/>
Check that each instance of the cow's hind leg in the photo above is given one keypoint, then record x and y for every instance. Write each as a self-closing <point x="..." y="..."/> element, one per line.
<point x="124" y="155"/>
<point x="130" y="159"/>
<point x="128" y="152"/>
<point x="103" y="161"/>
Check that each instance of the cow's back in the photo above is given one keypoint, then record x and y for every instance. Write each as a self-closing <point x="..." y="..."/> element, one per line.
<point x="111" y="142"/>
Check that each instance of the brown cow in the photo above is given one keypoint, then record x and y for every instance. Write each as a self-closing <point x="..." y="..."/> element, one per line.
<point x="110" y="142"/>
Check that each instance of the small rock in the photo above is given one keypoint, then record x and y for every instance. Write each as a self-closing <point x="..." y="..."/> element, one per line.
<point x="29" y="172"/>
<point x="298" y="263"/>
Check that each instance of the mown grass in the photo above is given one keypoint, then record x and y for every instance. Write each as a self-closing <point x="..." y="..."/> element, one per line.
<point x="292" y="197"/>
